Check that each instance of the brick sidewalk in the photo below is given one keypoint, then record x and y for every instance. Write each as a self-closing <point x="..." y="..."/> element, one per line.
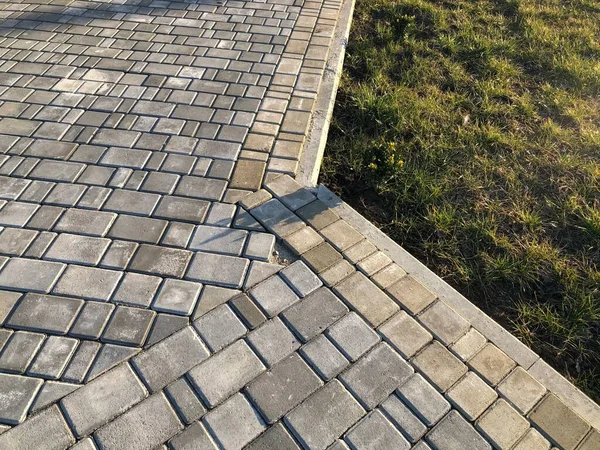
<point x="142" y="302"/>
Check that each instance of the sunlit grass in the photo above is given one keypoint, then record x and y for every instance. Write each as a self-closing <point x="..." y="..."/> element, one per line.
<point x="470" y="132"/>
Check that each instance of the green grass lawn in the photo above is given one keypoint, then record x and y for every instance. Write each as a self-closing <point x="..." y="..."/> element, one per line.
<point x="469" y="131"/>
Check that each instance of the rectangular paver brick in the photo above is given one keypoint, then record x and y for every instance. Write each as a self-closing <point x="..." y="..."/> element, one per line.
<point x="46" y="313"/>
<point x="220" y="270"/>
<point x="102" y="399"/>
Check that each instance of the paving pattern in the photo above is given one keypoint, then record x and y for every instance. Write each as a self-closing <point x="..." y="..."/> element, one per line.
<point x="142" y="305"/>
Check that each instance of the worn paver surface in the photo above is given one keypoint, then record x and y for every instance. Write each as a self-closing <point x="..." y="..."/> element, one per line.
<point x="164" y="281"/>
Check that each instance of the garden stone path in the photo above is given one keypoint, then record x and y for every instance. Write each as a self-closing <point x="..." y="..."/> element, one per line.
<point x="166" y="283"/>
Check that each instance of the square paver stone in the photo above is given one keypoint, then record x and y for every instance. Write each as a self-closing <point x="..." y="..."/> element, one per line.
<point x="177" y="297"/>
<point x="471" y="395"/>
<point x="521" y="390"/>
<point x="220" y="270"/>
<point x="219" y="327"/>
<point x="405" y="334"/>
<point x="273" y="295"/>
<point x="16" y="396"/>
<point x="492" y="364"/>
<point x="439" y="366"/>
<point x="137" y="289"/>
<point x="129" y="326"/>
<point x="502" y="425"/>
<point x="455" y="433"/>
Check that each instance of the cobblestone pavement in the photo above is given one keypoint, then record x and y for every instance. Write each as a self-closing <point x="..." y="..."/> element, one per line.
<point x="142" y="305"/>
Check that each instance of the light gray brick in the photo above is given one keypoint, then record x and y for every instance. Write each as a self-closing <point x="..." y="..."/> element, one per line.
<point x="102" y="399"/>
<point x="411" y="294"/>
<point x="455" y="433"/>
<point x="81" y="362"/>
<point x="300" y="278"/>
<point x="177" y="297"/>
<point x="324" y="416"/>
<point x="19" y="351"/>
<point x="405" y="334"/>
<point x="128" y="326"/>
<point x="161" y="261"/>
<point x="45" y="313"/>
<point x="118" y="255"/>
<point x="235" y="423"/>
<point x="283" y="387"/>
<point x="273" y="341"/>
<point x="139" y="229"/>
<point x="76" y="249"/>
<point x="521" y="390"/>
<point x="424" y="400"/>
<point x="352" y="336"/>
<point x="375" y="376"/>
<point x="91" y="320"/>
<point x="492" y="364"/>
<point x="225" y="373"/>
<point x="194" y="436"/>
<point x="145" y="426"/>
<point x="53" y="357"/>
<point x="17" y="214"/>
<point x="221" y="270"/>
<point x="324" y="357"/>
<point x="185" y="401"/>
<point x="275" y="438"/>
<point x="15" y="275"/>
<point x="399" y="414"/>
<point x="226" y="241"/>
<point x="17" y="394"/>
<point x="88" y="282"/>
<point x="137" y="290"/>
<point x="291" y="194"/>
<point x="439" y="366"/>
<point x="273" y="295"/>
<point x="445" y="324"/>
<point x="34" y="433"/>
<point x="277" y="218"/>
<point x="471" y="395"/>
<point x="14" y="241"/>
<point x="132" y="202"/>
<point x="374" y="432"/>
<point x="219" y="327"/>
<point x="51" y="392"/>
<point x="108" y="357"/>
<point x="259" y="246"/>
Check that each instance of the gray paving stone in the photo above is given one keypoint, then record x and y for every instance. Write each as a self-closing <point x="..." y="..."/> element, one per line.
<point x="226" y="241"/>
<point x="81" y="362"/>
<point x="321" y="257"/>
<point x="160" y="183"/>
<point x="51" y="392"/>
<point x="102" y="399"/>
<point x="45" y="217"/>
<point x="7" y="302"/>
<point x="313" y="314"/>
<point x="221" y="215"/>
<point x="352" y="336"/>
<point x="177" y="297"/>
<point x="40" y="245"/>
<point x="78" y="221"/>
<point x="324" y="357"/>
<point x="388" y="276"/>
<point x="439" y="366"/>
<point x="53" y="357"/>
<point x="399" y="414"/>
<point x="336" y="273"/>
<point x="45" y="313"/>
<point x="471" y="396"/>
<point x="275" y="217"/>
<point x="275" y="438"/>
<point x="185" y="401"/>
<point x="12" y="188"/>
<point x="88" y="282"/>
<point x="300" y="278"/>
<point x="468" y="345"/>
<point x="16" y="214"/>
<point x="492" y="364"/>
<point x="164" y="326"/>
<point x="34" y="433"/>
<point x="15" y="275"/>
<point x="521" y="390"/>
<point x="324" y="416"/>
<point x="412" y="295"/>
<point x="108" y="357"/>
<point x="178" y="235"/>
<point x="91" y="320"/>
<point x="65" y="194"/>
<point x="57" y="171"/>
<point x="84" y="444"/>
<point x="260" y="271"/>
<point x="259" y="246"/>
<point x="273" y="341"/>
<point x="235" y="423"/>
<point x="405" y="334"/>
<point x="374" y="432"/>
<point x="193" y="437"/>
<point x="247" y="310"/>
<point x="373" y="263"/>
<point x="558" y="423"/>
<point x="139" y="229"/>
<point x="137" y="290"/>
<point x="14" y="242"/>
<point x="455" y="433"/>
<point x="273" y="295"/>
<point x="375" y="376"/>
<point x="283" y="387"/>
<point x="219" y="327"/>
<point x="366" y="298"/>
<point x="132" y="202"/>
<point x="17" y="394"/>
<point x="502" y="425"/>
<point x="533" y="440"/>
<point x="128" y="326"/>
<point x="445" y="324"/>
<point x="211" y="297"/>
<point x="423" y="400"/>
<point x="77" y="249"/>
<point x="161" y="261"/>
<point x="180" y="208"/>
<point x="225" y="373"/>
<point x="341" y="235"/>
<point x="118" y="255"/>
<point x="220" y="270"/>
<point x="144" y="426"/>
<point x="202" y="188"/>
<point x="291" y="194"/>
